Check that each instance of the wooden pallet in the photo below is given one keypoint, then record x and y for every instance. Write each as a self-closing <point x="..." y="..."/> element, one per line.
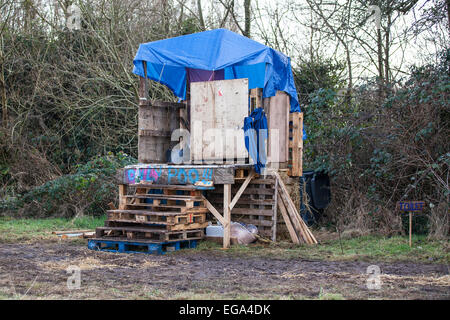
<point x="171" y="222"/>
<point x="295" y="163"/>
<point x="125" y="246"/>
<point x="168" y="212"/>
<point x="146" y="233"/>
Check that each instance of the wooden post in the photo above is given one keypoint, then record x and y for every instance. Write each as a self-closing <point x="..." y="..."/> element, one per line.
<point x="410" y="229"/>
<point x="226" y="215"/>
<point x="300" y="145"/>
<point x="122" y="198"/>
<point x="143" y="89"/>
<point x="275" y="213"/>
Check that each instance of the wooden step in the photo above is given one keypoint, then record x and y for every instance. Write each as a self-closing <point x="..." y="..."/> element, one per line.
<point x="167" y="207"/>
<point x="136" y="217"/>
<point x="165" y="197"/>
<point x="167" y="226"/>
<point x="146" y="212"/>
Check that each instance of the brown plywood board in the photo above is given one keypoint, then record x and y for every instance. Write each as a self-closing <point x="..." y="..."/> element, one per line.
<point x="220" y="105"/>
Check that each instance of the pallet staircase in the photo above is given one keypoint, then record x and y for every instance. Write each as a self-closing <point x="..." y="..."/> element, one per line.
<point x="157" y="214"/>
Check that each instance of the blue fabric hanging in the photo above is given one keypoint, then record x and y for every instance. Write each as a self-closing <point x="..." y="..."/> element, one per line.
<point x="255" y="132"/>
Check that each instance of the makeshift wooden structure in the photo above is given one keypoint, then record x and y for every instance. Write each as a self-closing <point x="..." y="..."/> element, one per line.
<point x="187" y="193"/>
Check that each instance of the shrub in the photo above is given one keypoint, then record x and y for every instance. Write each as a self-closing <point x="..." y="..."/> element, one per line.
<point x="87" y="190"/>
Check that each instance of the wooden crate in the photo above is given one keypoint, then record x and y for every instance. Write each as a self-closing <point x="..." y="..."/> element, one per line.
<point x="157" y="121"/>
<point x="295" y="164"/>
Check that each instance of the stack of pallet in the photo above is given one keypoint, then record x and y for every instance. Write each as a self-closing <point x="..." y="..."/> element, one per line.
<point x="160" y="215"/>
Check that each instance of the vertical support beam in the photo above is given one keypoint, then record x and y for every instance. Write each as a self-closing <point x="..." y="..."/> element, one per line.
<point x="275" y="213"/>
<point x="226" y="215"/>
<point x="143" y="89"/>
<point x="296" y="145"/>
<point x="410" y="229"/>
<point x="143" y="101"/>
<point x="122" y="198"/>
<point x="300" y="144"/>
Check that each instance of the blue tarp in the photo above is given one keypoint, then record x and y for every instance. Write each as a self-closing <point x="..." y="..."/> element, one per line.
<point x="220" y="49"/>
<point x="255" y="128"/>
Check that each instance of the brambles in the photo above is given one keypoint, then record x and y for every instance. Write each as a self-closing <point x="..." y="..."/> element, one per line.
<point x="87" y="190"/>
<point x="383" y="152"/>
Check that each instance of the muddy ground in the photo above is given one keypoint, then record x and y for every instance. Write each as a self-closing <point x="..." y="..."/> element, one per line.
<point x="38" y="271"/>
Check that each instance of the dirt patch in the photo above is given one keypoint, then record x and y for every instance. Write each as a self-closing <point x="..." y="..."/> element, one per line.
<point x="38" y="271"/>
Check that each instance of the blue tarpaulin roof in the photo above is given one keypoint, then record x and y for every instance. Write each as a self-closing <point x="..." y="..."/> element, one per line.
<point x="239" y="57"/>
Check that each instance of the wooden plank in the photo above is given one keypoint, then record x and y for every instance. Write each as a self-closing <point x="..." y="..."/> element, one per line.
<point x="242" y="201"/>
<point x="165" y="186"/>
<point x="248" y="191"/>
<point x="295" y="142"/>
<point x="174" y="175"/>
<point x="147" y="212"/>
<point x="166" y="104"/>
<point x="241" y="190"/>
<point x="296" y="145"/>
<point x="253" y="211"/>
<point x="300" y="145"/>
<point x="155" y="126"/>
<point x="278" y="119"/>
<point x="154" y="133"/>
<point x="256" y="222"/>
<point x="143" y="85"/>
<point x="162" y="207"/>
<point x="297" y="221"/>
<point x="275" y="213"/>
<point x="215" y="213"/>
<point x="164" y="197"/>
<point x="122" y="196"/>
<point x="288" y="222"/>
<point x="226" y="215"/>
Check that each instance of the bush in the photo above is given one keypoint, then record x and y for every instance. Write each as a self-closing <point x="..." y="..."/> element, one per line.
<point x="383" y="148"/>
<point x="87" y="190"/>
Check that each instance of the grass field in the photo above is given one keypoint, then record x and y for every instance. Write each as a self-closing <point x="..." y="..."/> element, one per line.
<point x="33" y="264"/>
<point x="365" y="248"/>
